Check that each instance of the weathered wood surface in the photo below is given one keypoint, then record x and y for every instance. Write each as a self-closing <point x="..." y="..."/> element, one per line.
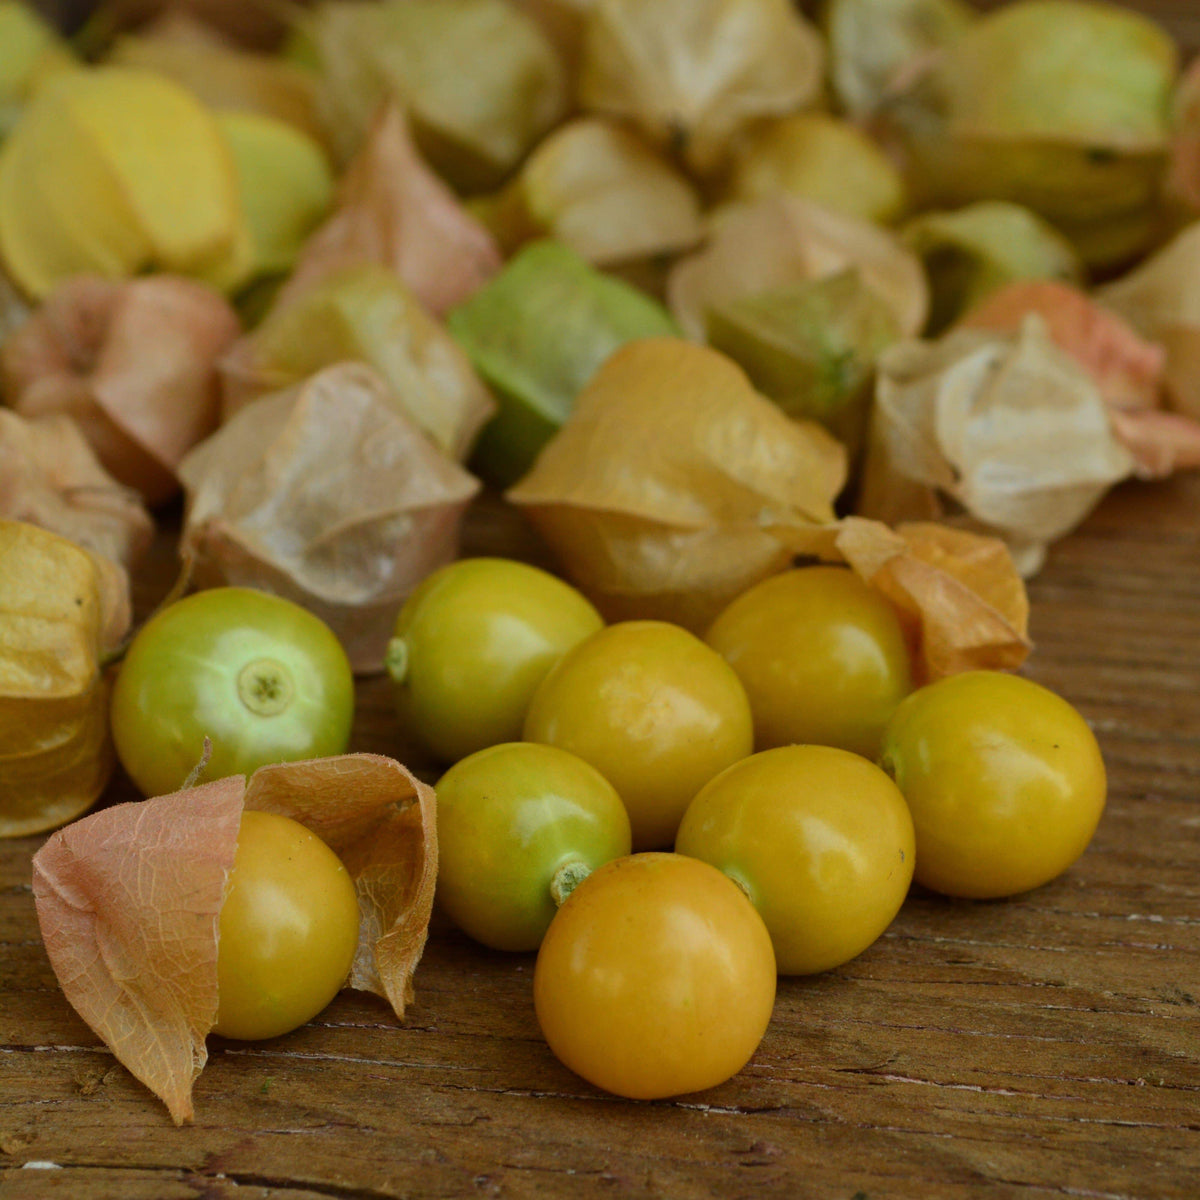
<point x="1044" y="1046"/>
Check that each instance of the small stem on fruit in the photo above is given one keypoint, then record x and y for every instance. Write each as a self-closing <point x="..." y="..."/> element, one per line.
<point x="395" y="659"/>
<point x="566" y="879"/>
<point x="199" y="769"/>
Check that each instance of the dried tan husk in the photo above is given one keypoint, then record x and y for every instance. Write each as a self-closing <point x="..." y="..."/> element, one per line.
<point x="130" y="898"/>
<point x="1161" y="300"/>
<point x="784" y="239"/>
<point x="692" y="74"/>
<point x="596" y="186"/>
<point x="480" y="81"/>
<point x="1005" y="431"/>
<point x="562" y="21"/>
<point x="133" y="362"/>
<point x="62" y="610"/>
<point x="394" y="211"/>
<point x="49" y="476"/>
<point x="365" y="314"/>
<point x="874" y="44"/>
<point x="970" y="252"/>
<point x="665" y="491"/>
<point x="1182" y="185"/>
<point x="327" y="495"/>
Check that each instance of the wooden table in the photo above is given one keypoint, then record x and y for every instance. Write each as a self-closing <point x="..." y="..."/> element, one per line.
<point x="1047" y="1046"/>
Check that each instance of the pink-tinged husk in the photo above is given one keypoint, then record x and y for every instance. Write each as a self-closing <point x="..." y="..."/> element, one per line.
<point x="129" y="901"/>
<point x="1127" y="369"/>
<point x="50" y="476"/>
<point x="673" y="485"/>
<point x="133" y="362"/>
<point x="393" y="210"/>
<point x="62" y="610"/>
<point x="1003" y="433"/>
<point x="328" y="495"/>
<point x="692" y="74"/>
<point x="784" y="239"/>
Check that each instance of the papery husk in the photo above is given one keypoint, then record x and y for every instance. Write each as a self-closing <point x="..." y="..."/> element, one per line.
<point x="1182" y="184"/>
<point x="692" y="74"/>
<point x="259" y="25"/>
<point x="365" y="314"/>
<point x="970" y="252"/>
<point x="29" y="50"/>
<point x="1003" y="433"/>
<point x="875" y="44"/>
<point x="222" y="74"/>
<point x="562" y="21"/>
<point x="1059" y="105"/>
<point x="14" y="312"/>
<point x="129" y="901"/>
<point x="783" y="240"/>
<point x="821" y="158"/>
<point x="478" y="78"/>
<point x="537" y="333"/>
<point x="134" y="363"/>
<point x="664" y="492"/>
<point x="811" y="347"/>
<point x="394" y="211"/>
<point x="598" y="188"/>
<point x="49" y="476"/>
<point x="327" y="495"/>
<point x="62" y="610"/>
<point x="1161" y="300"/>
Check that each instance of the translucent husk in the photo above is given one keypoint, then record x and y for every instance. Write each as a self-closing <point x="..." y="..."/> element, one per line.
<point x="90" y="182"/>
<point x="129" y="901"/>
<point x="479" y="79"/>
<point x="365" y="314"/>
<point x="971" y="252"/>
<point x="692" y="74"/>
<point x="327" y="495"/>
<point x="821" y="158"/>
<point x="222" y="74"/>
<point x="783" y="240"/>
<point x="664" y="491"/>
<point x="49" y="476"/>
<point x="394" y="211"/>
<point x="62" y="610"/>
<point x="874" y="44"/>
<point x="537" y="333"/>
<point x="1058" y="105"/>
<point x="597" y="187"/>
<point x="1161" y="300"/>
<point x="811" y="347"/>
<point x="1003" y="433"/>
<point x="134" y="363"/>
<point x="29" y="50"/>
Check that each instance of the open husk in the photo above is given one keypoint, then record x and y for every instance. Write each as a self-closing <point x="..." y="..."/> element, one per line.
<point x="134" y="363"/>
<point x="664" y="492"/>
<point x="327" y="495"/>
<point x="364" y="314"/>
<point x="1003" y="432"/>
<point x="692" y="74"/>
<point x="783" y="240"/>
<point x="392" y="210"/>
<point x="62" y="611"/>
<point x="129" y="901"/>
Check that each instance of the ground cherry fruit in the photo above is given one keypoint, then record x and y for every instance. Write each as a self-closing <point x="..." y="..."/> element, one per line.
<point x="822" y="657"/>
<point x="820" y="840"/>
<point x="1004" y="780"/>
<point x="288" y="929"/>
<point x="519" y="825"/>
<point x="655" y="978"/>
<point x="654" y="710"/>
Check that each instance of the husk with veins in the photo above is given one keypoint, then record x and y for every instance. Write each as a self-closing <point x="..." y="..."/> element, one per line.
<point x="693" y="74"/>
<point x="392" y="210"/>
<point x="133" y="362"/>
<point x="1001" y="433"/>
<point x="329" y="496"/>
<point x="784" y="239"/>
<point x="129" y="901"/>
<point x="1127" y="369"/>
<point x="63" y="610"/>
